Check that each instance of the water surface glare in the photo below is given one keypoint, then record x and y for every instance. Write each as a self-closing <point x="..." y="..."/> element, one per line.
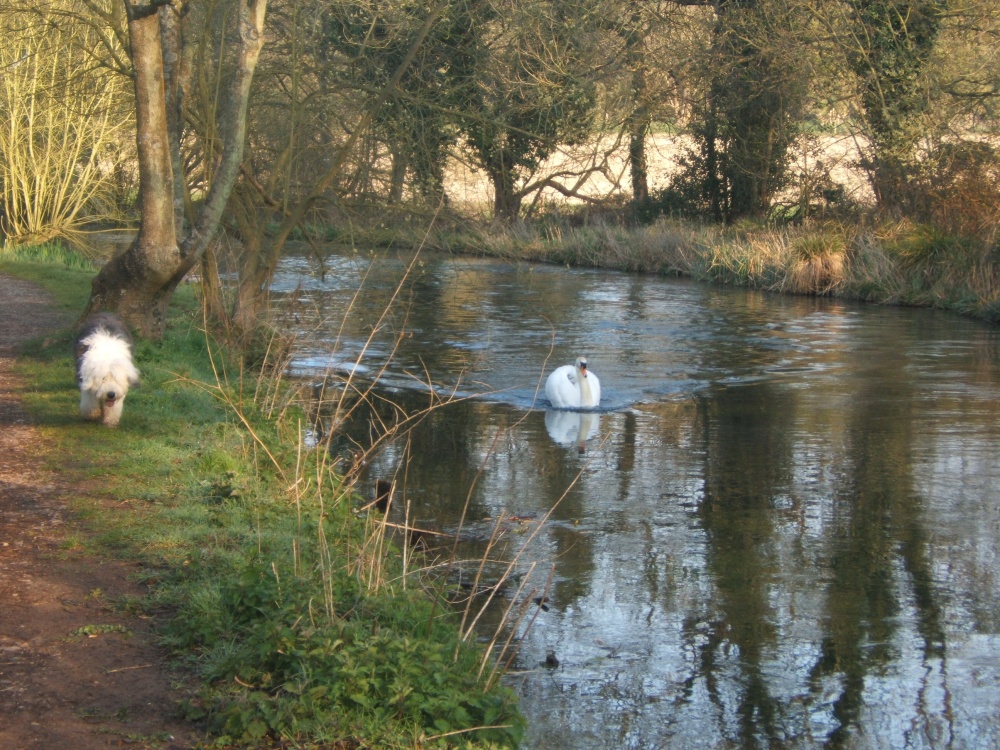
<point x="782" y="530"/>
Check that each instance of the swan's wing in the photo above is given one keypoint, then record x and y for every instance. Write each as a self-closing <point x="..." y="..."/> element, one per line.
<point x="562" y="374"/>
<point x="561" y="387"/>
<point x="595" y="388"/>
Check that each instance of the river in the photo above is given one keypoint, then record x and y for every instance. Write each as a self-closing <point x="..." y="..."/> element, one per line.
<point x="780" y="529"/>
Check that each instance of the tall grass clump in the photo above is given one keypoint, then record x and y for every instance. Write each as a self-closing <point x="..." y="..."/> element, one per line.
<point x="290" y="607"/>
<point x="325" y="623"/>
<point x="872" y="274"/>
<point x="750" y="256"/>
<point x="816" y="264"/>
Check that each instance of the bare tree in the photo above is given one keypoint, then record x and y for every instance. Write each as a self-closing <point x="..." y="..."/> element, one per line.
<point x="140" y="283"/>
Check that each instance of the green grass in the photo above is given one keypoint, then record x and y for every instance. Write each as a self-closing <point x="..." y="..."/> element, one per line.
<point x="65" y="273"/>
<point x="48" y="254"/>
<point x="253" y="568"/>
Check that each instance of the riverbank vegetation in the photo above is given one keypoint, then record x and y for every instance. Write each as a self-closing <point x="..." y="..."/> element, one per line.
<point x="296" y="616"/>
<point x="899" y="262"/>
<point x="895" y="263"/>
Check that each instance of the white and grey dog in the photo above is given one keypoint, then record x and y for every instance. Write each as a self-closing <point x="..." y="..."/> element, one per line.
<point x="104" y="368"/>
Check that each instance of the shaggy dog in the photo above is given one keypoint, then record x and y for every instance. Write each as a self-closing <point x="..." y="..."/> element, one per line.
<point x="104" y="367"/>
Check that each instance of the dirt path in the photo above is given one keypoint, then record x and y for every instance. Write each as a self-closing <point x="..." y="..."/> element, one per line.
<point x="61" y="689"/>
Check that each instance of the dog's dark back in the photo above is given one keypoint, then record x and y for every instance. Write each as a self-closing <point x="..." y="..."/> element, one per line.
<point x="107" y="321"/>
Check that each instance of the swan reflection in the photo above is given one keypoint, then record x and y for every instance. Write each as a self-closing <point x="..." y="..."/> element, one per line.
<point x="572" y="427"/>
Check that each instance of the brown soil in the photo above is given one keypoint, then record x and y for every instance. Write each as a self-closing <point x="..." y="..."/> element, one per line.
<point x="61" y="689"/>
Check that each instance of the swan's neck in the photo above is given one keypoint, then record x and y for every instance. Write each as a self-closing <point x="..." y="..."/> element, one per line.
<point x="586" y="397"/>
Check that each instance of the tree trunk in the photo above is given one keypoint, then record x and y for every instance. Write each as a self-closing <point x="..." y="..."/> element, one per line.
<point x="211" y="285"/>
<point x="638" y="128"/>
<point x="888" y="176"/>
<point x="132" y="284"/>
<point x="257" y="265"/>
<point x="398" y="175"/>
<point x="251" y="297"/>
<point x="506" y="202"/>
<point x="140" y="283"/>
<point x="640" y="118"/>
<point x="713" y="183"/>
<point x="176" y="78"/>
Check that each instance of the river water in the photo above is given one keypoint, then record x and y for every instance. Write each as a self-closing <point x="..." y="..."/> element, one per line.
<point x="780" y="530"/>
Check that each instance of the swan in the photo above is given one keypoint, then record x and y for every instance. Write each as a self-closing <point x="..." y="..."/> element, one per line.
<point x="573" y="387"/>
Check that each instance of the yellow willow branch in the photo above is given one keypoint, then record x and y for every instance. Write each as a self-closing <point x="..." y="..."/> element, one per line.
<point x="59" y="133"/>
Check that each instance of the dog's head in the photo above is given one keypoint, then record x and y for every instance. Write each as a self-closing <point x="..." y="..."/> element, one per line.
<point x="112" y="389"/>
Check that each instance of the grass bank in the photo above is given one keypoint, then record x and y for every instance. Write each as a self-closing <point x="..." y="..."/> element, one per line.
<point x="300" y="630"/>
<point x="890" y="263"/>
<point x="886" y="262"/>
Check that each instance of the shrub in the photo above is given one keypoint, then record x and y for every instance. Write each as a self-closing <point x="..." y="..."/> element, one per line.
<point x="961" y="185"/>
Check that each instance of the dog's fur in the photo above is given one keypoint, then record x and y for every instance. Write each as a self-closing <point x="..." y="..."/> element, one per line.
<point x="104" y="368"/>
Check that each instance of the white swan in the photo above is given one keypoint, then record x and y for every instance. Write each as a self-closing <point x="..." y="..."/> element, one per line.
<point x="573" y="387"/>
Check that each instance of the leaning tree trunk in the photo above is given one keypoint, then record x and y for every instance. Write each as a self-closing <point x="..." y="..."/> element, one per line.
<point x="140" y="283"/>
<point x="131" y="283"/>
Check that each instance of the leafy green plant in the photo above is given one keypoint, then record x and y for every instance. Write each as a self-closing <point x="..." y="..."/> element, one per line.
<point x="92" y="631"/>
<point x="278" y="667"/>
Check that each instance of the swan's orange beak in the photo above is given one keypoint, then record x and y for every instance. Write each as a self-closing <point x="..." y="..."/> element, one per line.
<point x="583" y="370"/>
